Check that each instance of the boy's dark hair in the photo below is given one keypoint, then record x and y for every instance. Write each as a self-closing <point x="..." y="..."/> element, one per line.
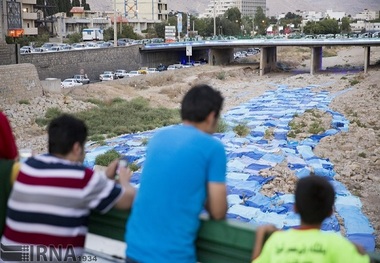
<point x="314" y="199"/>
<point x="199" y="102"/>
<point x="63" y="132"/>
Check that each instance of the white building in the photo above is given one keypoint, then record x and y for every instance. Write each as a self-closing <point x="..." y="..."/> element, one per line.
<point x="364" y="26"/>
<point x="367" y="15"/>
<point x="246" y="7"/>
<point x="312" y="16"/>
<point x="337" y="15"/>
<point x="152" y="10"/>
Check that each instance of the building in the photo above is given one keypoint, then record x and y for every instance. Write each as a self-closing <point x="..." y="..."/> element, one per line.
<point x="364" y="26"/>
<point x="22" y="13"/>
<point x="367" y="15"/>
<point x="246" y="7"/>
<point x="80" y="19"/>
<point x="152" y="10"/>
<point x="337" y="15"/>
<point x="29" y="17"/>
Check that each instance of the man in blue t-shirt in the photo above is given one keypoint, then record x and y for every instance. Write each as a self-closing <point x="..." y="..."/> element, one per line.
<point x="184" y="172"/>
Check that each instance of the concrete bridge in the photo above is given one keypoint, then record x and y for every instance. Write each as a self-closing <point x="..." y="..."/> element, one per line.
<point x="221" y="51"/>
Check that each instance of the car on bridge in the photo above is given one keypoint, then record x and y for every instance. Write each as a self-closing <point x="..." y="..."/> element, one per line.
<point x="69" y="83"/>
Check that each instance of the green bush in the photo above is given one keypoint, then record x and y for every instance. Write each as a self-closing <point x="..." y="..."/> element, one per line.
<point x="122" y="117"/>
<point x="24" y="102"/>
<point x="242" y="130"/>
<point x="221" y="75"/>
<point x="106" y="158"/>
<point x="50" y="114"/>
<point x="134" y="167"/>
<point x="222" y="126"/>
<point x="96" y="137"/>
<point x="353" y="82"/>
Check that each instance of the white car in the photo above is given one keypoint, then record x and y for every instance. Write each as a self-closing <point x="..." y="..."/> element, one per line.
<point x="152" y="70"/>
<point x="121" y="73"/>
<point x="107" y="77"/>
<point x="114" y="76"/>
<point x="134" y="73"/>
<point x="68" y="83"/>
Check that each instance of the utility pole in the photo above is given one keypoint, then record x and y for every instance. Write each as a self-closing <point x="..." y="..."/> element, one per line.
<point x="114" y="24"/>
<point x="214" y="18"/>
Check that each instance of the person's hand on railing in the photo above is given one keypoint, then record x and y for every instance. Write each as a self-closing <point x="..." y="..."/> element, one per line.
<point x="262" y="234"/>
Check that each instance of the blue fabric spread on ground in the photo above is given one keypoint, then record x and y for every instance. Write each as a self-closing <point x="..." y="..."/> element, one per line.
<point x="248" y="156"/>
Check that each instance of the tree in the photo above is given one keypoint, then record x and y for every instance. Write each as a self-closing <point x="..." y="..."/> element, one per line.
<point x="330" y="26"/>
<point x="247" y="22"/>
<point x="85" y="5"/>
<point x="261" y="21"/>
<point x="290" y="15"/>
<point x="345" y="26"/>
<point x="75" y="3"/>
<point x="233" y="14"/>
<point x="160" y="29"/>
<point x="74" y="38"/>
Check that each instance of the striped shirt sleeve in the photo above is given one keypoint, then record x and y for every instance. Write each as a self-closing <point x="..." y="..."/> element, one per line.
<point x="102" y="193"/>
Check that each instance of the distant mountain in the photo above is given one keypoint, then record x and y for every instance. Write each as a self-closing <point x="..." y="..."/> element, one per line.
<point x="274" y="6"/>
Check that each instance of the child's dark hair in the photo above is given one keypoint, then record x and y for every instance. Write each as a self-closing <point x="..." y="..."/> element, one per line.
<point x="314" y="199"/>
<point x="199" y="102"/>
<point x="63" y="132"/>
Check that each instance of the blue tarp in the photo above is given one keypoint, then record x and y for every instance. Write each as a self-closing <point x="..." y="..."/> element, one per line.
<point x="248" y="156"/>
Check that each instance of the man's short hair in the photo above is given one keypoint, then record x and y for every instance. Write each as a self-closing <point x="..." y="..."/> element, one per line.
<point x="199" y="102"/>
<point x="64" y="131"/>
<point x="314" y="199"/>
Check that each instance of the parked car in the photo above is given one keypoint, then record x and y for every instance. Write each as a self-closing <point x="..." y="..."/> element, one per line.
<point x="171" y="67"/>
<point x="26" y="49"/>
<point x="161" y="67"/>
<point x="134" y="73"/>
<point x="197" y="63"/>
<point x="121" y="73"/>
<point x="82" y="78"/>
<point x="152" y="70"/>
<point x="107" y="77"/>
<point x="187" y="65"/>
<point x="114" y="76"/>
<point x="68" y="83"/>
<point x="143" y="70"/>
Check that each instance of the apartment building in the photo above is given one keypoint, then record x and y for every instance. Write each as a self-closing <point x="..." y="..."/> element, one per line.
<point x="152" y="10"/>
<point x="246" y="7"/>
<point x="367" y="15"/>
<point x="29" y="17"/>
<point x="17" y="17"/>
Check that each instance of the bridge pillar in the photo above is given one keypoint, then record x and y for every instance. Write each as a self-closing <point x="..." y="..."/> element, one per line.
<point x="367" y="57"/>
<point x="268" y="59"/>
<point x="220" y="56"/>
<point x="316" y="60"/>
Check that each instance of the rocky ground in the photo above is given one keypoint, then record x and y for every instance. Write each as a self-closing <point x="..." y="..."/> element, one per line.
<point x="355" y="154"/>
